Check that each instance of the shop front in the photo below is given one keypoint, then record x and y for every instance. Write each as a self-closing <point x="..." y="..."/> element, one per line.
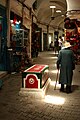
<point x="19" y="40"/>
<point x="36" y="40"/>
<point x="3" y="38"/>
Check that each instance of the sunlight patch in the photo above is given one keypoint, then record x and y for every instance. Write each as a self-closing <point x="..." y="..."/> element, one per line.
<point x="54" y="71"/>
<point x="52" y="83"/>
<point x="54" y="100"/>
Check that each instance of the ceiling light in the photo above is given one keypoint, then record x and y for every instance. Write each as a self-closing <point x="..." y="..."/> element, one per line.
<point x="11" y="21"/>
<point x="58" y="11"/>
<point x="52" y="6"/>
<point x="62" y="15"/>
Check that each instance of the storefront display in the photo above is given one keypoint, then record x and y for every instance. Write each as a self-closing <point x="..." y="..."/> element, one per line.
<point x="3" y="40"/>
<point x="19" y="38"/>
<point x="71" y="32"/>
<point x="36" y="40"/>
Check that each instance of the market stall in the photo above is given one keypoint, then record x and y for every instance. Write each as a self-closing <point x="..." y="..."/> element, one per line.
<point x="72" y="35"/>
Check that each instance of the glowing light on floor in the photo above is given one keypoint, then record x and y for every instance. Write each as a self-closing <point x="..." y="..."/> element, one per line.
<point x="52" y="83"/>
<point x="54" y="100"/>
<point x="54" y="71"/>
<point x="51" y="58"/>
<point x="55" y="65"/>
<point x="54" y="57"/>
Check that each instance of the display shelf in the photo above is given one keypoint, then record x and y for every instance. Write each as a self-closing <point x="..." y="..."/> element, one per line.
<point x="20" y="37"/>
<point x="20" y="42"/>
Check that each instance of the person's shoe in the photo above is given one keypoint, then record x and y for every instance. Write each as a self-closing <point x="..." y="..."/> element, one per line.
<point x="62" y="88"/>
<point x="68" y="89"/>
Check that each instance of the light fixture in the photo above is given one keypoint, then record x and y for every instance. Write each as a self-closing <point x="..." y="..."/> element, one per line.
<point x="52" y="6"/>
<point x="58" y="11"/>
<point x="11" y="21"/>
<point x="62" y="15"/>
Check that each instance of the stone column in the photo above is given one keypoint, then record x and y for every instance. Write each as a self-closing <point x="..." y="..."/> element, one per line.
<point x="47" y="36"/>
<point x="42" y="42"/>
<point x="8" y="22"/>
<point x="30" y="34"/>
<point x="31" y="31"/>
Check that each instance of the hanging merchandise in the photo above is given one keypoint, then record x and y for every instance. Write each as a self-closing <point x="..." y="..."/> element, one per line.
<point x="15" y="19"/>
<point x="71" y="28"/>
<point x="72" y="34"/>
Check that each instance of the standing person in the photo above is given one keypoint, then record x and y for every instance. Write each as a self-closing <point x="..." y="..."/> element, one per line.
<point x="66" y="64"/>
<point x="51" y="45"/>
<point x="60" y="42"/>
<point x="56" y="46"/>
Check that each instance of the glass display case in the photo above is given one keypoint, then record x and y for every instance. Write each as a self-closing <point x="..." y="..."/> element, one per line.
<point x="21" y="37"/>
<point x="20" y="44"/>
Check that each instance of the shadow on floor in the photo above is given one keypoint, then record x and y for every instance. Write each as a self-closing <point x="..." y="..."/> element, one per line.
<point x="75" y="87"/>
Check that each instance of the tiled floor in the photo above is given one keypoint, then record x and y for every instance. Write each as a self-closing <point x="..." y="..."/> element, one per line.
<point x="2" y="73"/>
<point x="55" y="106"/>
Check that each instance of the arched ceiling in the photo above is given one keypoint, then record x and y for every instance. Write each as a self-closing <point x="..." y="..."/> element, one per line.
<point x="43" y="12"/>
<point x="47" y="16"/>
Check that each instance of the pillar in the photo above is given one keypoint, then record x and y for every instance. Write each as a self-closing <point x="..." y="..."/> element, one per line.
<point x="8" y="22"/>
<point x="30" y="34"/>
<point x="42" y="41"/>
<point x="47" y="36"/>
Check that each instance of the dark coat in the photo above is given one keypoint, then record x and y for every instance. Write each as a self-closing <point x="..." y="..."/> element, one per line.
<point x="66" y="63"/>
